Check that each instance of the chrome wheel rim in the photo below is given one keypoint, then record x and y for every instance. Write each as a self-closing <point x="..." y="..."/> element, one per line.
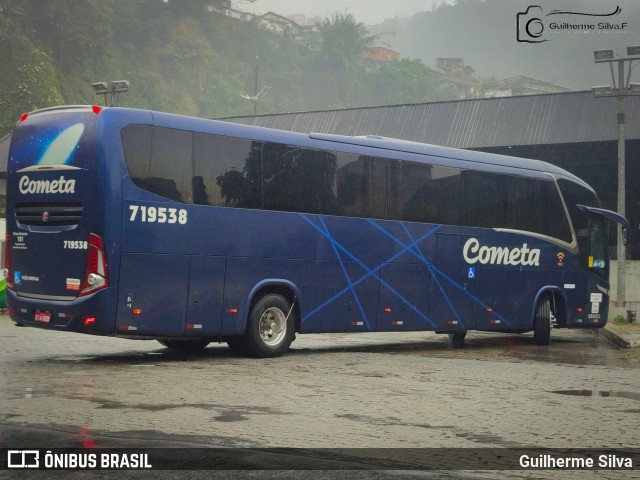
<point x="273" y="326"/>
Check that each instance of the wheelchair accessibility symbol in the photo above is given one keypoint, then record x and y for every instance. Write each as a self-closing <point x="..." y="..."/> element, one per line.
<point x="471" y="272"/>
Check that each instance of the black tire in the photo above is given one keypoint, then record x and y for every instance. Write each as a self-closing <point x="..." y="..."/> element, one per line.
<point x="271" y="327"/>
<point x="457" y="339"/>
<point x="186" y="345"/>
<point x="542" y="322"/>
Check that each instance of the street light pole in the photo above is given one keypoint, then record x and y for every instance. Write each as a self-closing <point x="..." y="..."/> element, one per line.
<point x="620" y="89"/>
<point x="113" y="91"/>
<point x="257" y="95"/>
<point x="622" y="180"/>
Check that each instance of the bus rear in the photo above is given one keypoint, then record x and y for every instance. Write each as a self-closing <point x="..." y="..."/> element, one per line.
<point x="55" y="255"/>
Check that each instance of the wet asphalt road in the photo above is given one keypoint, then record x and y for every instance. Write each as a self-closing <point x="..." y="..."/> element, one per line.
<point x="331" y="391"/>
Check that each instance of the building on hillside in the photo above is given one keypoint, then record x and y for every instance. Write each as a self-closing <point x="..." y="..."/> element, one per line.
<point x="523" y="85"/>
<point x="280" y="25"/>
<point x="381" y="54"/>
<point x="455" y="75"/>
<point x="232" y="13"/>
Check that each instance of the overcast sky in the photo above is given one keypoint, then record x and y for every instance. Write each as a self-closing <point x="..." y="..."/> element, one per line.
<point x="368" y="12"/>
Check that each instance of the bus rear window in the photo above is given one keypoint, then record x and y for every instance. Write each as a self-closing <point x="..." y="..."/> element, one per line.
<point x="59" y="137"/>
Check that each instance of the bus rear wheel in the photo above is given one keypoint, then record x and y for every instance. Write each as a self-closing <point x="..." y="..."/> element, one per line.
<point x="457" y="339"/>
<point x="186" y="345"/>
<point x="542" y="322"/>
<point x="271" y="327"/>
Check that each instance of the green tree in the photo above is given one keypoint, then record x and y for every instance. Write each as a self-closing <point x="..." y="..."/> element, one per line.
<point x="74" y="32"/>
<point x="343" y="41"/>
<point x="405" y="81"/>
<point x="29" y="84"/>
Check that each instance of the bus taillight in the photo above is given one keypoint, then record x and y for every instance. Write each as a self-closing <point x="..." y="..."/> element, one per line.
<point x="7" y="262"/>
<point x="96" y="276"/>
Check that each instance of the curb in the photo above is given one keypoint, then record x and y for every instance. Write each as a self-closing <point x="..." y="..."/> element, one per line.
<point x="618" y="340"/>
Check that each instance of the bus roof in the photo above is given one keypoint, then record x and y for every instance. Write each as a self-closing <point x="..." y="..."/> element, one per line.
<point x="392" y="146"/>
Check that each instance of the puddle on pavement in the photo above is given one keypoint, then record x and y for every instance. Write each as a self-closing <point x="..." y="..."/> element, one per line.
<point x="580" y="348"/>
<point x="601" y="393"/>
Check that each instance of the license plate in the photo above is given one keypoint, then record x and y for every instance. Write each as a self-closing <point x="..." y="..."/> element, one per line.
<point x="43" y="317"/>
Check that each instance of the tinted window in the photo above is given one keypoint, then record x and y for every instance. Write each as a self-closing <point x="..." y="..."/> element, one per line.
<point x="352" y="182"/>
<point x="160" y="160"/>
<point x="574" y="195"/>
<point x="535" y="206"/>
<point x="298" y="179"/>
<point x="171" y="172"/>
<point x="430" y="193"/>
<point x="484" y="199"/>
<point x="226" y="171"/>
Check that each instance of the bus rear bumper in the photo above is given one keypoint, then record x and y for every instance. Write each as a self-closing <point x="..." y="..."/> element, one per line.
<point x="93" y="314"/>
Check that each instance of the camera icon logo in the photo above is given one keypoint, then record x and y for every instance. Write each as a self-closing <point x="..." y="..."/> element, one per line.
<point x="529" y="25"/>
<point x="23" y="459"/>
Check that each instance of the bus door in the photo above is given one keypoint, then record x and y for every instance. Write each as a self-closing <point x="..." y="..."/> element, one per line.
<point x="452" y="299"/>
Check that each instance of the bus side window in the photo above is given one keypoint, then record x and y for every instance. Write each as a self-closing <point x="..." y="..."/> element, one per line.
<point x="159" y="160"/>
<point x="297" y="179"/>
<point x="170" y="172"/>
<point x="225" y="170"/>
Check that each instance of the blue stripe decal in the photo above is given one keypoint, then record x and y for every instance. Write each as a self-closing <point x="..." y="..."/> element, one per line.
<point x="433" y="268"/>
<point x="350" y="284"/>
<point x="413" y="249"/>
<point x="325" y="232"/>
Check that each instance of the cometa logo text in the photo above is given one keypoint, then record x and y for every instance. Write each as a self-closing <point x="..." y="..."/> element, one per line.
<point x="60" y="185"/>
<point x="475" y="253"/>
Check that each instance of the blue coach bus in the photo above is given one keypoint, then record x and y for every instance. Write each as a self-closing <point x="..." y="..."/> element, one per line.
<point x="149" y="225"/>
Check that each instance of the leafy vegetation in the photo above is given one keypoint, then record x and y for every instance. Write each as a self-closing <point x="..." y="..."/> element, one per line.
<point x="182" y="57"/>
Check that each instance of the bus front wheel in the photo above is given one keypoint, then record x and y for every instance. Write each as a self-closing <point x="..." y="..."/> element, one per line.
<point x="542" y="322"/>
<point x="271" y="327"/>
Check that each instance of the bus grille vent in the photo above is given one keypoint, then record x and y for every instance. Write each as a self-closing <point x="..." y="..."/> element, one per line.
<point x="49" y="214"/>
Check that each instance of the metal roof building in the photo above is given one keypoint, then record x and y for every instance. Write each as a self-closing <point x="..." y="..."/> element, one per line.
<point x="573" y="130"/>
<point x="526" y="120"/>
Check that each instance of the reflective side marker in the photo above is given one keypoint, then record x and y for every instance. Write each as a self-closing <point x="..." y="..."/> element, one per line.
<point x="192" y="326"/>
<point x="397" y="322"/>
<point x="387" y="310"/>
<point x="136" y="311"/>
<point x="233" y="310"/>
<point x="452" y="322"/>
<point x="495" y="321"/>
<point x="90" y="320"/>
<point x="357" y="324"/>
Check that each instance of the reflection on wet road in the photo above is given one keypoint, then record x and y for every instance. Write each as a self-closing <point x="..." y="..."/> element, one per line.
<point x="338" y="391"/>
